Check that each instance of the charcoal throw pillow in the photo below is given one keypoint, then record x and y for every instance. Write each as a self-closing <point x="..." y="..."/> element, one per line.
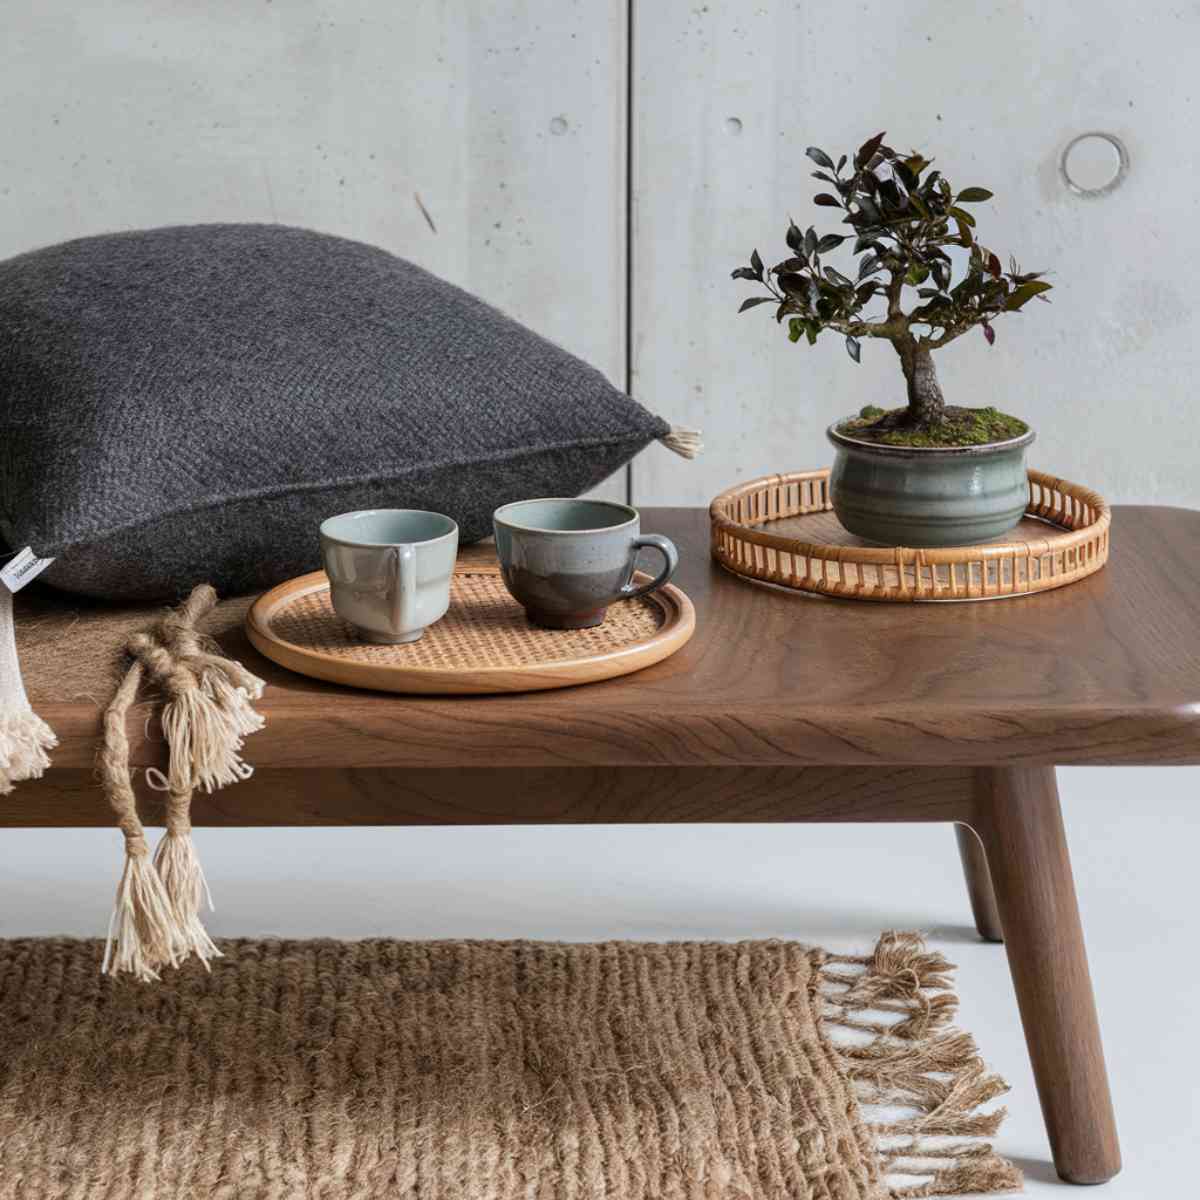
<point x="188" y="403"/>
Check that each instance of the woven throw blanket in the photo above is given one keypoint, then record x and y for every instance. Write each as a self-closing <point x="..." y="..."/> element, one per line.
<point x="492" y="1071"/>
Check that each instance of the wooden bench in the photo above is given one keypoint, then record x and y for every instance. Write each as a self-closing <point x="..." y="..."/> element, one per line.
<point x="783" y="707"/>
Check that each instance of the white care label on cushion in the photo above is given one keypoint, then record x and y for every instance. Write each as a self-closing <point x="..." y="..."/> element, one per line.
<point x="24" y="567"/>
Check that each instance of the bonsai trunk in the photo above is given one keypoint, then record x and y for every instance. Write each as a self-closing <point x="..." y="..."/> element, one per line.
<point x="926" y="405"/>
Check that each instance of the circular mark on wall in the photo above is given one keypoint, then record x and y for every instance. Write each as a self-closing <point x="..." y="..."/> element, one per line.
<point x="733" y="126"/>
<point x="558" y="125"/>
<point x="1093" y="164"/>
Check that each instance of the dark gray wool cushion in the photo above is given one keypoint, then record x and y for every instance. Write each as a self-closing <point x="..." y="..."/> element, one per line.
<point x="188" y="404"/>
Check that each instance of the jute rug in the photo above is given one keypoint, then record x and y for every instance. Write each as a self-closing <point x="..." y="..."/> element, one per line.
<point x="492" y="1071"/>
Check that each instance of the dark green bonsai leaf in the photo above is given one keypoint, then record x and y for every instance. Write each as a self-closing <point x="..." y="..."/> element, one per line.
<point x="1025" y="292"/>
<point x="973" y="195"/>
<point x="864" y="293"/>
<point x="820" y="158"/>
<point x="867" y="150"/>
<point x="755" y="301"/>
<point x="854" y="348"/>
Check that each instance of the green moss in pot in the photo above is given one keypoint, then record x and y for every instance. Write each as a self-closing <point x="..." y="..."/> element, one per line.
<point x="927" y="473"/>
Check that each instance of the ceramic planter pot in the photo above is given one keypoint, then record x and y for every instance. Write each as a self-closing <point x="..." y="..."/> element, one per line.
<point x="925" y="497"/>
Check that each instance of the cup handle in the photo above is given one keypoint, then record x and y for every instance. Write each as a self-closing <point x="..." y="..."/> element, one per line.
<point x="404" y="588"/>
<point x="665" y="547"/>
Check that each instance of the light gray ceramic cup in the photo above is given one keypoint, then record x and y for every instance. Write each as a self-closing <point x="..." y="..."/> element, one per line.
<point x="567" y="560"/>
<point x="389" y="570"/>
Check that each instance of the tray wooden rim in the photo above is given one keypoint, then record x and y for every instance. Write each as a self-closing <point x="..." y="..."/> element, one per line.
<point x="679" y="623"/>
<point x="1077" y="519"/>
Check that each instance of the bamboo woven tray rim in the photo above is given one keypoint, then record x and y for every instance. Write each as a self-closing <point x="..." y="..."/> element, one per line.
<point x="1075" y="544"/>
<point x="620" y="647"/>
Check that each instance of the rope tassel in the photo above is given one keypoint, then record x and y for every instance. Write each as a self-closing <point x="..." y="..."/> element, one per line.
<point x="206" y="719"/>
<point x="178" y="867"/>
<point x="142" y="931"/>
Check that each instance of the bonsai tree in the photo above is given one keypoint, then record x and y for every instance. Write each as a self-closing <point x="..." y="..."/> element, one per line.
<point x="904" y="217"/>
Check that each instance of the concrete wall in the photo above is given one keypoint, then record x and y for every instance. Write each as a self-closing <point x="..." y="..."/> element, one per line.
<point x="508" y="118"/>
<point x="729" y="94"/>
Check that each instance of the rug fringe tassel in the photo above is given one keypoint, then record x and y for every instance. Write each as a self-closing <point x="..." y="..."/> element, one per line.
<point x="682" y="441"/>
<point x="913" y="1062"/>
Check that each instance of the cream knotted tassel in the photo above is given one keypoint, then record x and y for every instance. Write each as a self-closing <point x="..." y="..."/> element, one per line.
<point x="206" y="719"/>
<point x="25" y="739"/>
<point x="182" y="877"/>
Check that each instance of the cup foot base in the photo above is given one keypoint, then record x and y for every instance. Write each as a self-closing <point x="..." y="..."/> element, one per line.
<point x="587" y="620"/>
<point x="388" y="639"/>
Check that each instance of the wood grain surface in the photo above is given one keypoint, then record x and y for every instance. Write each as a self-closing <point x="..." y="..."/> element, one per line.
<point x="1104" y="671"/>
<point x="522" y="796"/>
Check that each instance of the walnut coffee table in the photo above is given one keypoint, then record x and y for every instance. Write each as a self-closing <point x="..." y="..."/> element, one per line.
<point x="783" y="707"/>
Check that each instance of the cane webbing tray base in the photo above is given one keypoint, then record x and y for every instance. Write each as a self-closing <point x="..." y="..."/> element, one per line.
<point x="781" y="529"/>
<point x="483" y="644"/>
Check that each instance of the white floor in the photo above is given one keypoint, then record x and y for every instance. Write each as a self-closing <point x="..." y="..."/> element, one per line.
<point x="1135" y="837"/>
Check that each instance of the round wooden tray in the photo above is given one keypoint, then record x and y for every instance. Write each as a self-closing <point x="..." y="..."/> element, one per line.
<point x="483" y="644"/>
<point x="781" y="529"/>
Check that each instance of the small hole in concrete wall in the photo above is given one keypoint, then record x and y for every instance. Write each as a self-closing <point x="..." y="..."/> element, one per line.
<point x="1094" y="163"/>
<point x="733" y="126"/>
<point x="558" y="125"/>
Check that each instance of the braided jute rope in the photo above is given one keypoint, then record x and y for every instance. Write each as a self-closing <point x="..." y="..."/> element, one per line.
<point x="208" y="714"/>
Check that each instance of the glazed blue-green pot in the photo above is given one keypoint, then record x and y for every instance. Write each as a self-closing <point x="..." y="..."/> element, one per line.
<point x="925" y="497"/>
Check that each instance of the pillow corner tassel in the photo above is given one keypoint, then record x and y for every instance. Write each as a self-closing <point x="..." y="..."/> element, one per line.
<point x="687" y="443"/>
<point x="25" y="739"/>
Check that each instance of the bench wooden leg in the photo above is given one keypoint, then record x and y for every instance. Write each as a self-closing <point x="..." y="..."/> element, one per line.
<point x="979" y="884"/>
<point x="1018" y="819"/>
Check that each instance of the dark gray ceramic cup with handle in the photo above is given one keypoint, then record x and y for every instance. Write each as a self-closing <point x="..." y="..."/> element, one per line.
<point x="566" y="560"/>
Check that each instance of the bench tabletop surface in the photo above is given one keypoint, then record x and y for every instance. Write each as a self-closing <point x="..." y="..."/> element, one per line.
<point x="1106" y="670"/>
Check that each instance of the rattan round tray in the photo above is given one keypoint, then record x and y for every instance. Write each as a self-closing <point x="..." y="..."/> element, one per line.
<point x="483" y="644"/>
<point x="781" y="529"/>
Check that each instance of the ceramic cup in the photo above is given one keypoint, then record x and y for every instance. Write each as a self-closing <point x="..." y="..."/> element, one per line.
<point x="567" y="560"/>
<point x="389" y="570"/>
